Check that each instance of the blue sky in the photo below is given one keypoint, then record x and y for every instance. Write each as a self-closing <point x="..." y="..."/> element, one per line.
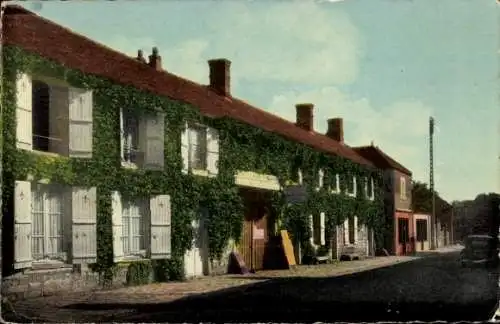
<point x="384" y="66"/>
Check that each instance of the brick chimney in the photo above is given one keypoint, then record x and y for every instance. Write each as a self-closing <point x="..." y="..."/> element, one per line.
<point x="305" y="117"/>
<point x="155" y="60"/>
<point x="140" y="57"/>
<point x="220" y="76"/>
<point x="336" y="129"/>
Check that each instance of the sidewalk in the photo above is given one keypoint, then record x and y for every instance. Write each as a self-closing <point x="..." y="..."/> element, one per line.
<point x="441" y="250"/>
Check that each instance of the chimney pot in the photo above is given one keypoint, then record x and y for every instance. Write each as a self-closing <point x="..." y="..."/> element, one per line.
<point x="220" y="76"/>
<point x="336" y="129"/>
<point x="305" y="116"/>
<point x="140" y="56"/>
<point x="155" y="60"/>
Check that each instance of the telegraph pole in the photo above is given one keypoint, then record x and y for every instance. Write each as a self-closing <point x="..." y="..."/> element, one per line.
<point x="434" y="228"/>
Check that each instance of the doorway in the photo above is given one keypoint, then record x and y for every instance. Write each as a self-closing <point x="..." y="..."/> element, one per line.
<point x="403" y="236"/>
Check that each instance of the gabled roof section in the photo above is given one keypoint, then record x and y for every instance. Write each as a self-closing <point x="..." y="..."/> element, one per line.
<point x="380" y="159"/>
<point x="38" y="35"/>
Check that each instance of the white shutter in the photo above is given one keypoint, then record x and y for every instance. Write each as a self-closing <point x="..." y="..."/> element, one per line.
<point x="321" y="176"/>
<point x="212" y="151"/>
<point x="122" y="135"/>
<point x="83" y="215"/>
<point x="346" y="231"/>
<point x="322" y="228"/>
<point x="22" y="225"/>
<point x="185" y="149"/>
<point x="299" y="174"/>
<point x="116" y="220"/>
<point x="355" y="229"/>
<point x="151" y="138"/>
<point x="312" y="239"/>
<point x="337" y="182"/>
<point x="160" y="227"/>
<point x="24" y="136"/>
<point x="80" y="123"/>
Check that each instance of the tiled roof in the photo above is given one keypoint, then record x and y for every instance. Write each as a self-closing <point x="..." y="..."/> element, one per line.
<point x="36" y="34"/>
<point x="380" y="159"/>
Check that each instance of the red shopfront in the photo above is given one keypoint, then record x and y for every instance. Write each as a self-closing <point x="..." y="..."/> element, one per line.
<point x="404" y="238"/>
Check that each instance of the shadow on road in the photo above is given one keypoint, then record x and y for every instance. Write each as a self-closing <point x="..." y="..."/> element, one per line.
<point x="428" y="289"/>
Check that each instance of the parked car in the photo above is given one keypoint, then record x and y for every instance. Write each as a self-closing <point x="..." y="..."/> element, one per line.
<point x="480" y="250"/>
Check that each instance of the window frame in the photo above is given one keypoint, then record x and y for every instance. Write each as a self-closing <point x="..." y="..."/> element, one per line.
<point x="58" y="257"/>
<point x="352" y="192"/>
<point x="127" y="114"/>
<point x="142" y="206"/>
<point x="201" y="132"/>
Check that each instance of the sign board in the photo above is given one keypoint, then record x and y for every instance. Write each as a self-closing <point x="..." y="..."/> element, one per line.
<point x="258" y="233"/>
<point x="287" y="248"/>
<point x="295" y="194"/>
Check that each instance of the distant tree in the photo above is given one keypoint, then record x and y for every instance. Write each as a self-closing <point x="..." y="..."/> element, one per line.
<point x="421" y="197"/>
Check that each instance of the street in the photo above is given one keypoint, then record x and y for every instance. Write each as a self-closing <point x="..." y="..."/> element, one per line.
<point x="430" y="288"/>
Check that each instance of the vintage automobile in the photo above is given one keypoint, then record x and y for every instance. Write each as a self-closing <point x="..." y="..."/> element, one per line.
<point x="480" y="250"/>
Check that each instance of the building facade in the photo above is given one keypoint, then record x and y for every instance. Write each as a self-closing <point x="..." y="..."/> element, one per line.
<point x="119" y="172"/>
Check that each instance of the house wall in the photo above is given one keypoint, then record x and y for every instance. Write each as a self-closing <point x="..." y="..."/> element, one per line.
<point x="425" y="245"/>
<point x="361" y="246"/>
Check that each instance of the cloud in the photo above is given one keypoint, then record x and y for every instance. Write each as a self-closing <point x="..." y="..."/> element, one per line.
<point x="293" y="41"/>
<point x="400" y="129"/>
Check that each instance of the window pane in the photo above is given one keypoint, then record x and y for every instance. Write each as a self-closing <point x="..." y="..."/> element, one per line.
<point x="125" y="228"/>
<point x="133" y="228"/>
<point x="55" y="219"/>
<point x="37" y="248"/>
<point x="130" y="136"/>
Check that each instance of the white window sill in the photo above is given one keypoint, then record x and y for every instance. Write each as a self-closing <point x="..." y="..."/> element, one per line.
<point x="49" y="265"/>
<point x="44" y="153"/>
<point x="140" y="256"/>
<point x="351" y="194"/>
<point x="129" y="165"/>
<point x="203" y="173"/>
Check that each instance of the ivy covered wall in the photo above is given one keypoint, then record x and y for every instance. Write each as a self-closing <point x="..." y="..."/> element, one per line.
<point x="242" y="147"/>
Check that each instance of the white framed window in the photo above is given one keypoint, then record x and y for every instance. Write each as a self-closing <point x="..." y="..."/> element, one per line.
<point x="402" y="188"/>
<point x="321" y="178"/>
<point x="141" y="228"/>
<point x="130" y="138"/>
<point x="351" y="230"/>
<point x="351" y="186"/>
<point x="369" y="189"/>
<point x="135" y="215"/>
<point x="53" y="117"/>
<point x="200" y="149"/>
<point x="335" y="188"/>
<point x="48" y="223"/>
<point x="142" y="139"/>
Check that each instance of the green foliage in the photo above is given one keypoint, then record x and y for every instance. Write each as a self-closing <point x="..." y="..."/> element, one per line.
<point x="139" y="273"/>
<point x="242" y="148"/>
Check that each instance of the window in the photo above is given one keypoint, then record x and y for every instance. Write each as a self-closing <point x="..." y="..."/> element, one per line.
<point x="335" y="186"/>
<point x="351" y="186"/>
<point x="53" y="117"/>
<point x="47" y="222"/>
<point x="134" y="226"/>
<point x="403" y="231"/>
<point x="41" y="116"/>
<point x="421" y="230"/>
<point x="352" y="231"/>
<point x="321" y="178"/>
<point x="198" y="147"/>
<point x="402" y="188"/>
<point x="130" y="137"/>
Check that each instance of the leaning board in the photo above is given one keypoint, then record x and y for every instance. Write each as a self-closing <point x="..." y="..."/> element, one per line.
<point x="287" y="248"/>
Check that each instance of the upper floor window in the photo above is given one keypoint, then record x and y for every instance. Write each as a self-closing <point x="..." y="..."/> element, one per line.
<point x="53" y="117"/>
<point x="335" y="185"/>
<point x="321" y="179"/>
<point x="142" y="139"/>
<point x="402" y="188"/>
<point x="351" y="186"/>
<point x="369" y="188"/>
<point x="200" y="149"/>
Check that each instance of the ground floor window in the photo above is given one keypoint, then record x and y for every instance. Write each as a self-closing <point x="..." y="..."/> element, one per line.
<point x="134" y="227"/>
<point x="403" y="230"/>
<point x="421" y="230"/>
<point x="352" y="234"/>
<point x="48" y="222"/>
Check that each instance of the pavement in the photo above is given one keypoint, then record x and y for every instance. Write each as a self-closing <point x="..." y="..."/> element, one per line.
<point x="426" y="287"/>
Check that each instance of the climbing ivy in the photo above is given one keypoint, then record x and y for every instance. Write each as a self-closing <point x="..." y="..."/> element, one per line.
<point x="242" y="148"/>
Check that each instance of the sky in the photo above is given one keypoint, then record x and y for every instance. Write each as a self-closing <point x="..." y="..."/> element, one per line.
<point x="384" y="66"/>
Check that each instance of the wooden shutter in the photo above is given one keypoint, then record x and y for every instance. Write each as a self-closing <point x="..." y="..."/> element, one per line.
<point x="116" y="220"/>
<point x="152" y="139"/>
<point x="212" y="151"/>
<point x="355" y="229"/>
<point x="312" y="239"/>
<point x="160" y="226"/>
<point x="122" y="134"/>
<point x="80" y="123"/>
<point x="346" y="231"/>
<point x="22" y="225"/>
<point x="24" y="136"/>
<point x="321" y="177"/>
<point x="83" y="215"/>
<point x="322" y="228"/>
<point x="185" y="149"/>
<point x="299" y="175"/>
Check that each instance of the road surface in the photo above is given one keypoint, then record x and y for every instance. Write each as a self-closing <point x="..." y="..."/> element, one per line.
<point x="428" y="289"/>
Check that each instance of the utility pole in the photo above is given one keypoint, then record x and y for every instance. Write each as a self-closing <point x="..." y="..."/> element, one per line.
<point x="434" y="228"/>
